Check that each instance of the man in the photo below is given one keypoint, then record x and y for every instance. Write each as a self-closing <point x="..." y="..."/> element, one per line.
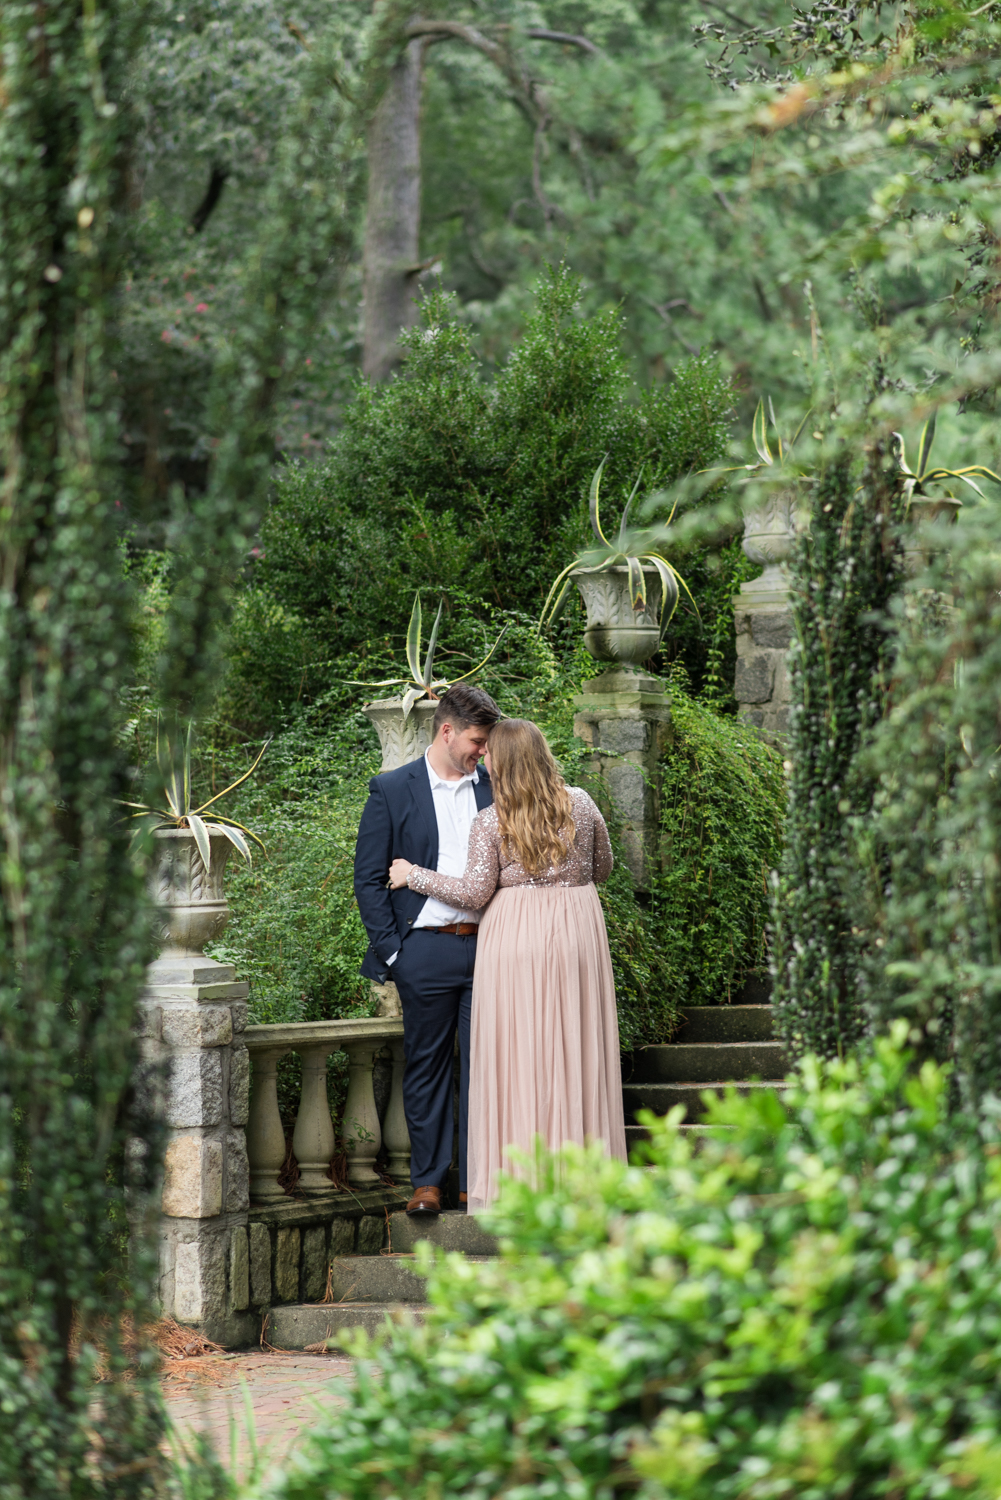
<point x="423" y="812"/>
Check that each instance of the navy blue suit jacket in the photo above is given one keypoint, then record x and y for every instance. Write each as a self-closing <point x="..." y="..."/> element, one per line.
<point x="399" y="822"/>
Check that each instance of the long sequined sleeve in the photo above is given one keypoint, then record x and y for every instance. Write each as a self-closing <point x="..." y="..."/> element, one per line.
<point x="473" y="888"/>
<point x="603" y="860"/>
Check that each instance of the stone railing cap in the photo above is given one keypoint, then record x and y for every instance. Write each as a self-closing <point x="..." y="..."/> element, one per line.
<point x="309" y="1033"/>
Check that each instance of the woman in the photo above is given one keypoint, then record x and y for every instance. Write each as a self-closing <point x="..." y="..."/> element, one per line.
<point x="544" y="1055"/>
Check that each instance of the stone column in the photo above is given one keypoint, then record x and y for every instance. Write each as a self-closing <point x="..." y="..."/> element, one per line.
<point x="192" y="1016"/>
<point x="763" y="618"/>
<point x="624" y="719"/>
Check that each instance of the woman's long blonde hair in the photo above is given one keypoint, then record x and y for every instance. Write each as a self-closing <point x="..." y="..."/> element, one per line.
<point x="534" y="808"/>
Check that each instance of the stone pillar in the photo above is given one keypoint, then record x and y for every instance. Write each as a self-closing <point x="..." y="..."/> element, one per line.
<point x="763" y="618"/>
<point x="624" y="719"/>
<point x="192" y="1017"/>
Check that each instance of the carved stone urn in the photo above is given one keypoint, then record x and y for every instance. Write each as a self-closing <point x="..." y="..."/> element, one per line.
<point x="615" y="631"/>
<point x="401" y="740"/>
<point x="191" y="901"/>
<point x="769" y="535"/>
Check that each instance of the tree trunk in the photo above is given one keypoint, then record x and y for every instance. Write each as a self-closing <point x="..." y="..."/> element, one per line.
<point x="392" y="221"/>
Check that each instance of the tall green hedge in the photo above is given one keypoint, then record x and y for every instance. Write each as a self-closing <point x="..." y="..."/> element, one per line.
<point x="845" y="573"/>
<point x="77" y="1149"/>
<point x="928" y="904"/>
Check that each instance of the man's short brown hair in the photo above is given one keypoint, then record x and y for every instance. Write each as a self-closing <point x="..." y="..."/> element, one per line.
<point x="463" y="706"/>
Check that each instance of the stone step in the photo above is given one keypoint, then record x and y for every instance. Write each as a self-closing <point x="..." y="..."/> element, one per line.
<point x="637" y="1134"/>
<point x="726" y="1023"/>
<point x="307" y="1325"/>
<point x="449" y="1231"/>
<point x="707" y="1062"/>
<point x="660" y="1097"/>
<point x="378" y="1278"/>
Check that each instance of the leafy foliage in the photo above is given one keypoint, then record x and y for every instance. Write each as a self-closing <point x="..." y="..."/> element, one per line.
<point x="807" y="1303"/>
<point x="926" y="903"/>
<point x="844" y="575"/>
<point x="77" y="1147"/>
<point x="723" y="799"/>
<point x="441" y="481"/>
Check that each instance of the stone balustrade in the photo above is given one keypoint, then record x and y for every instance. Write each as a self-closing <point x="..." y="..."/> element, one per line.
<point x="365" y="1041"/>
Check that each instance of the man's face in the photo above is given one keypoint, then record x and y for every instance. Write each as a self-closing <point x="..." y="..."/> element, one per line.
<point x="464" y="749"/>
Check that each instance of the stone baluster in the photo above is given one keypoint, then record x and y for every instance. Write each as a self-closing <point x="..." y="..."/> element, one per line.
<point x="265" y="1136"/>
<point x="362" y="1134"/>
<point x="395" y="1132"/>
<point x="313" y="1141"/>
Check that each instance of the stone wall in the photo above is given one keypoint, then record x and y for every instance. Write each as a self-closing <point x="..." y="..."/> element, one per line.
<point x="292" y="1244"/>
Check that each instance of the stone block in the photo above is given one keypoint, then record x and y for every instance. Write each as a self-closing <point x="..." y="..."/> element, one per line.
<point x="774" y="631"/>
<point x="197" y="1025"/>
<point x="259" y="1237"/>
<point x="238" y="1010"/>
<point x="585" y="729"/>
<point x="286" y="1279"/>
<point x="195" y="1095"/>
<point x="342" y="1236"/>
<point x="239" y="1086"/>
<point x="239" y="1270"/>
<point x="754" y="678"/>
<point x="370" y="1232"/>
<point x="314" y="1264"/>
<point x="192" y="1178"/>
<point x="619" y="736"/>
<point x="199" y="1278"/>
<point x="752" y="716"/>
<point x="631" y="794"/>
<point x="147" y="1021"/>
<point x="237" y="1172"/>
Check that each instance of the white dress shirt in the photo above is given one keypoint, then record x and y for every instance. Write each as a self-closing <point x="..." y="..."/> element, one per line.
<point x="454" y="809"/>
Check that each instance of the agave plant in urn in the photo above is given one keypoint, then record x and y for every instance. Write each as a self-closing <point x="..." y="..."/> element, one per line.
<point x="193" y="844"/>
<point x="630" y="591"/>
<point x="403" y="724"/>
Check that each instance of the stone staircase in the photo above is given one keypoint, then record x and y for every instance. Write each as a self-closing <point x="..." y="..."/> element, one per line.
<point x="716" y="1046"/>
<point x="363" y="1289"/>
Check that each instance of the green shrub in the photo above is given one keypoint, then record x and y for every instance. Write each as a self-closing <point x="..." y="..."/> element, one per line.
<point x="808" y="1305"/>
<point x="722" y="811"/>
<point x="443" y="481"/>
<point x="845" y="573"/>
<point x="926" y="902"/>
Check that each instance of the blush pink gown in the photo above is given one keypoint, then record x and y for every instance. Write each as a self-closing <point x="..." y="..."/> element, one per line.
<point x="544" y="1054"/>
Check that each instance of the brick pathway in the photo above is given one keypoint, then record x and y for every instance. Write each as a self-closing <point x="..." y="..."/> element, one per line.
<point x="284" y="1390"/>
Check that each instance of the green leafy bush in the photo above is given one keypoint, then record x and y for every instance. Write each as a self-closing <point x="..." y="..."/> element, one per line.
<point x="809" y="1304"/>
<point x="926" y="899"/>
<point x="722" y="812"/>
<point x="443" y="481"/>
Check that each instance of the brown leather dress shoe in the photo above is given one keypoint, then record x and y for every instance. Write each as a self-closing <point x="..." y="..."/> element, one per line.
<point x="426" y="1200"/>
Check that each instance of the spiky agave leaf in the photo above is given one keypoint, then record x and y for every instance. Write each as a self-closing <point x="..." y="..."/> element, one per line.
<point x="592" y="503"/>
<point x="759" y="434"/>
<point x="202" y="842"/>
<point x="479" y="667"/>
<point x="236" y="838"/>
<point x="925" y="442"/>
<point x="637" y="584"/>
<point x="410" y="697"/>
<point x="426" y="677"/>
<point x="414" y="640"/>
<point x="239" y="780"/>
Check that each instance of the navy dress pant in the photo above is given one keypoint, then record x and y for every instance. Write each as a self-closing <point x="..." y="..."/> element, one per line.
<point x="434" y="975"/>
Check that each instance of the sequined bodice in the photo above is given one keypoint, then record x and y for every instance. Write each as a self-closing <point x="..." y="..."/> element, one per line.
<point x="488" y="866"/>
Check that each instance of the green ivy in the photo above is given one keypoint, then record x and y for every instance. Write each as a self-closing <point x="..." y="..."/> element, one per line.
<point x="722" y="810"/>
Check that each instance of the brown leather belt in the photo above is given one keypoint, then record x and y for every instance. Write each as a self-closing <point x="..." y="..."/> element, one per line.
<point x="461" y="929"/>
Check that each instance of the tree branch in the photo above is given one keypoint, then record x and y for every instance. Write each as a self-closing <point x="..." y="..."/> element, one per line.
<point x="202" y="214"/>
<point x="540" y="34"/>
